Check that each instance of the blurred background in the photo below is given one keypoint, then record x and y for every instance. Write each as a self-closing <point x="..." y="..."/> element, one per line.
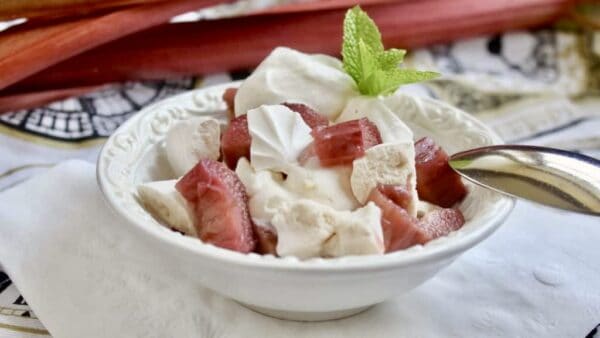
<point x="71" y="71"/>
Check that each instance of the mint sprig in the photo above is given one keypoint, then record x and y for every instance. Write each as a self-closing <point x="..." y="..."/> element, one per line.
<point x="374" y="69"/>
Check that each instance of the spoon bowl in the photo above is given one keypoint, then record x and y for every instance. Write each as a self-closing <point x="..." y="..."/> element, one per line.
<point x="552" y="177"/>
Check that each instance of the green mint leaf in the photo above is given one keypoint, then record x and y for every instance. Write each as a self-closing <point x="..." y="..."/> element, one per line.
<point x="368" y="65"/>
<point x="391" y="58"/>
<point x="358" y="27"/>
<point x="392" y="79"/>
<point x="374" y="69"/>
<point x="368" y="61"/>
<point x="372" y="85"/>
<point x="405" y="76"/>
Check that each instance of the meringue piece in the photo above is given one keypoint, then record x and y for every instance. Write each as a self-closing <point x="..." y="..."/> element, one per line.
<point x="166" y="203"/>
<point x="360" y="233"/>
<point x="265" y="191"/>
<point x="308" y="229"/>
<point x="388" y="163"/>
<point x="303" y="228"/>
<point x="377" y="110"/>
<point x="330" y="186"/>
<point x="189" y="141"/>
<point x="318" y="81"/>
<point x="278" y="135"/>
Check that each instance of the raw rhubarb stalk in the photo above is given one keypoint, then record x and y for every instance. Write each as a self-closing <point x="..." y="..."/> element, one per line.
<point x="318" y="5"/>
<point x="13" y="9"/>
<point x="36" y="99"/>
<point x="213" y="46"/>
<point x="24" y="52"/>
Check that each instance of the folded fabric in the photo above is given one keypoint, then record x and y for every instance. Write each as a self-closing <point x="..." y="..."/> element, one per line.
<point x="87" y="274"/>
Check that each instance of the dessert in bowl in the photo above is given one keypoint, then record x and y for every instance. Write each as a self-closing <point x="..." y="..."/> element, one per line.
<point x="302" y="197"/>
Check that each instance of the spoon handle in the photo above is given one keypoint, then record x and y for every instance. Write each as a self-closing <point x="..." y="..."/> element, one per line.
<point x="553" y="177"/>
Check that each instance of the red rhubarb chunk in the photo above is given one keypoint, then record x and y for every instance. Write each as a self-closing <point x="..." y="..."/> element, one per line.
<point x="266" y="240"/>
<point x="398" y="194"/>
<point x="236" y="141"/>
<point x="307" y="154"/>
<point x="344" y="142"/>
<point x="401" y="230"/>
<point x="437" y="183"/>
<point x="310" y="116"/>
<point x="229" y="98"/>
<point x="221" y="206"/>
<point x="439" y="223"/>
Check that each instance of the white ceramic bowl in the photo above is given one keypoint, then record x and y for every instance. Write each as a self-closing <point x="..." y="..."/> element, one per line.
<point x="315" y="289"/>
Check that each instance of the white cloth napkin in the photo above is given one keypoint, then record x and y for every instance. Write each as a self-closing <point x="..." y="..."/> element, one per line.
<point x="86" y="275"/>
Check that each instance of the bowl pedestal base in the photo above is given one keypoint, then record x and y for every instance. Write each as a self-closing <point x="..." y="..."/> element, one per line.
<point x="307" y="316"/>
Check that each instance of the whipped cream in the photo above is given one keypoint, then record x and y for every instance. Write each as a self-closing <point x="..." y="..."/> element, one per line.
<point x="278" y="137"/>
<point x="308" y="229"/>
<point x="329" y="186"/>
<point x="189" y="141"/>
<point x="387" y="163"/>
<point x="289" y="75"/>
<point x="377" y="110"/>
<point x="169" y="205"/>
<point x="265" y="192"/>
<point x="269" y="192"/>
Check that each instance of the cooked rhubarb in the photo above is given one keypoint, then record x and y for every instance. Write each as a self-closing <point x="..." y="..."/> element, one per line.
<point x="439" y="223"/>
<point x="229" y="98"/>
<point x="344" y="142"/>
<point x="220" y="204"/>
<point x="236" y="141"/>
<point x="437" y="183"/>
<point x="397" y="194"/>
<point x="266" y="240"/>
<point x="311" y="117"/>
<point x="401" y="230"/>
<point x="307" y="154"/>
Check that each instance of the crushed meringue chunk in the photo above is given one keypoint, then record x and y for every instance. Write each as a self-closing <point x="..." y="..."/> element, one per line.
<point x="191" y="140"/>
<point x="167" y="203"/>
<point x="388" y="163"/>
<point x="308" y="229"/>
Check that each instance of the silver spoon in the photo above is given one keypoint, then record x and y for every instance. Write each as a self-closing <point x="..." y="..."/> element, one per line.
<point x="553" y="177"/>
